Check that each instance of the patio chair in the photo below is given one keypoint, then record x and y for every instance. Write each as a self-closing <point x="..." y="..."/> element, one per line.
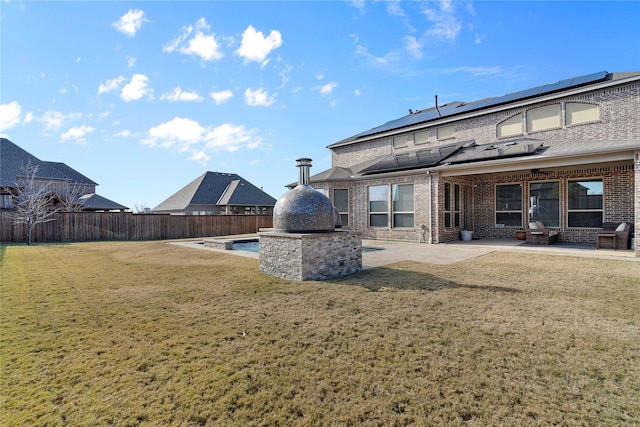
<point x="614" y="236"/>
<point x="539" y="234"/>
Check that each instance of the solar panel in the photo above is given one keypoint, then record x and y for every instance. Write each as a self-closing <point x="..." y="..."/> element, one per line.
<point x="420" y="159"/>
<point x="458" y="107"/>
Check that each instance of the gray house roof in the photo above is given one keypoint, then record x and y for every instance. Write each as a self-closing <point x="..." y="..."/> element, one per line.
<point x="216" y="189"/>
<point x="14" y="159"/>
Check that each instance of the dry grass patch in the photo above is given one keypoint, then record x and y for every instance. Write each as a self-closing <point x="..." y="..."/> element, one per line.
<point x="156" y="334"/>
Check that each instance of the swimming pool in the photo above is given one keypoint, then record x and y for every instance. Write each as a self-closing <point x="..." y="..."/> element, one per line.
<point x="253" y="245"/>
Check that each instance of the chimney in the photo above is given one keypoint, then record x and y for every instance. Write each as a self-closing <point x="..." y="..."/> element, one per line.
<point x="304" y="166"/>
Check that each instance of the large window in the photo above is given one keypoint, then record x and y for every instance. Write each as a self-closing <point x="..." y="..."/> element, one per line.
<point x="379" y="206"/>
<point x="544" y="203"/>
<point x="543" y="118"/>
<point x="451" y="205"/>
<point x="400" y="141"/>
<point x="580" y="112"/>
<point x="403" y="205"/>
<point x="509" y="205"/>
<point x="341" y="202"/>
<point x="444" y="132"/>
<point x="585" y="203"/>
<point x="510" y="127"/>
<point x="421" y="137"/>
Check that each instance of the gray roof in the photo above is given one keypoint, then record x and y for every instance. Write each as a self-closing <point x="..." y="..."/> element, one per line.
<point x="95" y="202"/>
<point x="216" y="189"/>
<point x="455" y="108"/>
<point x="14" y="159"/>
<point x="468" y="153"/>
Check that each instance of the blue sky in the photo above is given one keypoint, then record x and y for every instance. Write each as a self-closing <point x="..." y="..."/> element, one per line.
<point x="143" y="97"/>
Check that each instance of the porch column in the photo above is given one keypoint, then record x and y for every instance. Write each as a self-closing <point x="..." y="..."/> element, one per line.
<point x="636" y="200"/>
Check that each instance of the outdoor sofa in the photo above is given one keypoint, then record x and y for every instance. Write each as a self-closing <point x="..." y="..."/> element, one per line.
<point x="614" y="236"/>
<point x="539" y="234"/>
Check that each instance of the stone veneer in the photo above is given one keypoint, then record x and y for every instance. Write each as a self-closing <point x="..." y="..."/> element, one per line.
<point x="310" y="256"/>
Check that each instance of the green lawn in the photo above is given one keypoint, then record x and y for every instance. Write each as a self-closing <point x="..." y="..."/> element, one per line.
<point x="152" y="334"/>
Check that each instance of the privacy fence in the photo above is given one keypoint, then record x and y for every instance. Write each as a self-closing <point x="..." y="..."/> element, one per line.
<point x="88" y="226"/>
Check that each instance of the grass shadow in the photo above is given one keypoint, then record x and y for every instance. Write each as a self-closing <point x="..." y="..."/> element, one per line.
<point x="384" y="278"/>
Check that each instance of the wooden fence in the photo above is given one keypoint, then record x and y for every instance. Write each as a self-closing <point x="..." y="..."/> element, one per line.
<point x="88" y="226"/>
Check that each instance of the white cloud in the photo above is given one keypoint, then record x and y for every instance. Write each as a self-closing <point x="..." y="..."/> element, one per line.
<point x="53" y="120"/>
<point x="476" y="71"/>
<point x="130" y="22"/>
<point x="196" y="40"/>
<point x="480" y="38"/>
<point x="78" y="134"/>
<point x="9" y="115"/>
<point x="231" y="137"/>
<point x="123" y="133"/>
<point x="188" y="136"/>
<point x="178" y="95"/>
<point x="136" y="88"/>
<point x="357" y="92"/>
<point x="444" y="19"/>
<point x="131" y="60"/>
<point x="110" y="85"/>
<point x="379" y="61"/>
<point x="413" y="46"/>
<point x="28" y="118"/>
<point x="326" y="89"/>
<point x="258" y="97"/>
<point x="221" y="97"/>
<point x="255" y="47"/>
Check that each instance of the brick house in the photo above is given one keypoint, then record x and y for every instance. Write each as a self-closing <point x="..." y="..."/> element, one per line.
<point x="218" y="193"/>
<point x="57" y="177"/>
<point x="566" y="153"/>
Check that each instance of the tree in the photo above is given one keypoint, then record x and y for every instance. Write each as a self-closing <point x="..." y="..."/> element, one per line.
<point x="69" y="196"/>
<point x="33" y="205"/>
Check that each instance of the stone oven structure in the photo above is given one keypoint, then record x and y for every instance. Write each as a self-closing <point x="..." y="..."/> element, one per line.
<point x="304" y="243"/>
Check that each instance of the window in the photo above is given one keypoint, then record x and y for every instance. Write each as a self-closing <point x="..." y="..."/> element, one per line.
<point x="544" y="203"/>
<point x="400" y="141"/>
<point x="421" y="137"/>
<point x="451" y="205"/>
<point x="510" y="127"/>
<point x="403" y="205"/>
<point x="444" y="132"/>
<point x="379" y="206"/>
<point x="543" y="118"/>
<point x="585" y="203"/>
<point x="579" y="112"/>
<point x="341" y="202"/>
<point x="509" y="205"/>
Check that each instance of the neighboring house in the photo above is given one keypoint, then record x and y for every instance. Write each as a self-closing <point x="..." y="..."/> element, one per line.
<point x="57" y="177"/>
<point x="215" y="193"/>
<point x="566" y="153"/>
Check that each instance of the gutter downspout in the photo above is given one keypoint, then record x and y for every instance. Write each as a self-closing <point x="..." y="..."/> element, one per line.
<point x="429" y="208"/>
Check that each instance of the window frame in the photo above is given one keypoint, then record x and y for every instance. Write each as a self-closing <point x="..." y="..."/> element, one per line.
<point x="508" y="208"/>
<point x="378" y="213"/>
<point x="402" y="141"/>
<point x="520" y="116"/>
<point x="571" y="210"/>
<point x="420" y="141"/>
<point x="447" y="136"/>
<point x="406" y="213"/>
<point x="546" y="221"/>
<point x="452" y="205"/>
<point x="567" y="113"/>
<point x="344" y="215"/>
<point x="530" y="120"/>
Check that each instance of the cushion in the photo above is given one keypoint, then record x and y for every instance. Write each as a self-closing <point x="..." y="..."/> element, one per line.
<point x="533" y="226"/>
<point x="622" y="226"/>
<point x="540" y="225"/>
